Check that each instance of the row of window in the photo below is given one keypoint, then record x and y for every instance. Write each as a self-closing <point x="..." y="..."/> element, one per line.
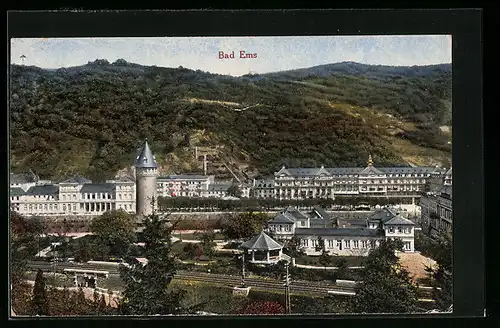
<point x="390" y="175"/>
<point x="348" y="244"/>
<point x="340" y="243"/>
<point x="406" y="230"/>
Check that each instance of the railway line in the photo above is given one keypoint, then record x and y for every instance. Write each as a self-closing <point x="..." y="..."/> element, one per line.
<point x="302" y="287"/>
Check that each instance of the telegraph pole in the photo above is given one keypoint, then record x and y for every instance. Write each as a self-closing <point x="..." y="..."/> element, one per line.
<point x="288" y="306"/>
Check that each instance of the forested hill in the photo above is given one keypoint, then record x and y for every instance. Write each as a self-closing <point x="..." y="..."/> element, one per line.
<point x="90" y="119"/>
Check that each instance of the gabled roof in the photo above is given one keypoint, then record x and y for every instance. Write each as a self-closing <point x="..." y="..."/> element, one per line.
<point x="281" y="218"/>
<point x="295" y="214"/>
<point x="323" y="171"/>
<point x="371" y="170"/>
<point x="384" y="215"/>
<point x="398" y="220"/>
<point x="347" y="232"/>
<point x="261" y="242"/>
<point x="43" y="190"/>
<point x="283" y="171"/>
<point x="145" y="158"/>
<point x="449" y="172"/>
<point x="16" y="191"/>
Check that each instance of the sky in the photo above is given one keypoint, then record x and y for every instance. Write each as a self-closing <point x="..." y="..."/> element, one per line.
<point x="272" y="53"/>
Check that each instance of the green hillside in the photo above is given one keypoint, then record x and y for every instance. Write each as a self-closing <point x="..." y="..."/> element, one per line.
<point x="90" y="119"/>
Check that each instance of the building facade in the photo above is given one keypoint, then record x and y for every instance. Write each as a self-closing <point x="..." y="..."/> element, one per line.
<point x="356" y="239"/>
<point x="76" y="196"/>
<point x="307" y="183"/>
<point x="436" y="209"/>
<point x="184" y="185"/>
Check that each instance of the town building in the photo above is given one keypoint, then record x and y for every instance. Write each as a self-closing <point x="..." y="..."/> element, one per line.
<point x="310" y="183"/>
<point x="75" y="196"/>
<point x="186" y="185"/>
<point x="342" y="237"/>
<point x="436" y="209"/>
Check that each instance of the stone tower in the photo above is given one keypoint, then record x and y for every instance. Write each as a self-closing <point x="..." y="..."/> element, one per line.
<point x="146" y="172"/>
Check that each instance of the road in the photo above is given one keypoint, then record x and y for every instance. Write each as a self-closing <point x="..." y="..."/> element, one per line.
<point x="296" y="287"/>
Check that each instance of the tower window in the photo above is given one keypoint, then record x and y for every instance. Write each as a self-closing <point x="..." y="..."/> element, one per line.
<point x="144" y="160"/>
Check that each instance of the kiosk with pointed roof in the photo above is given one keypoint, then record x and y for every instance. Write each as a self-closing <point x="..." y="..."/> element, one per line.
<point x="146" y="171"/>
<point x="264" y="249"/>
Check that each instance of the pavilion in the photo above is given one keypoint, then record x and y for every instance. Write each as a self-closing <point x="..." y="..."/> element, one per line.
<point x="264" y="249"/>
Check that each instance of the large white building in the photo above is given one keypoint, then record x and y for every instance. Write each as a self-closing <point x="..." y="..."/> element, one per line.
<point x="308" y="183"/>
<point x="348" y="238"/>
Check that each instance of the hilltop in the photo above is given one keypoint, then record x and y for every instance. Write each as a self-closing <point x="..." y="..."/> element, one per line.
<point x="90" y="119"/>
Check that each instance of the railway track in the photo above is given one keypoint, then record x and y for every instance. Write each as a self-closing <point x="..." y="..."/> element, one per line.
<point x="309" y="287"/>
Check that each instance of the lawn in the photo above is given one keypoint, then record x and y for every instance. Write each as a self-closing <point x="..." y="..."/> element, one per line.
<point x="314" y="260"/>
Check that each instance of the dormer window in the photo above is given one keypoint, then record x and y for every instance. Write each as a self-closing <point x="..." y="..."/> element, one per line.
<point x="144" y="160"/>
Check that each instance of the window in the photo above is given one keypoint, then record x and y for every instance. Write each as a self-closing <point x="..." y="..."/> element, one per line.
<point x="355" y="244"/>
<point x="330" y="243"/>
<point x="407" y="246"/>
<point x="373" y="243"/>
<point x="74" y="207"/>
<point x="339" y="244"/>
<point x="305" y="242"/>
<point x="364" y="244"/>
<point x="391" y="229"/>
<point x="400" y="230"/>
<point x="347" y="243"/>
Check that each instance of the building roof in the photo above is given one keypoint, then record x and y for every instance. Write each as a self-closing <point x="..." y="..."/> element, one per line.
<point x="294" y="214"/>
<point x="261" y="242"/>
<point x="348" y="232"/>
<point x="76" y="180"/>
<point x="43" y="190"/>
<point x="97" y="187"/>
<point x="449" y="172"/>
<point x="398" y="220"/>
<point x="353" y="222"/>
<point x="16" y="191"/>
<point x="219" y="186"/>
<point x="358" y="170"/>
<point x="321" y="213"/>
<point x="184" y="177"/>
<point x="281" y="218"/>
<point x="447" y="192"/>
<point x="383" y="214"/>
<point x="145" y="158"/>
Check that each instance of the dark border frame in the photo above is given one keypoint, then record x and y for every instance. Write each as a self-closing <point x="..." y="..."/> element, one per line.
<point x="463" y="24"/>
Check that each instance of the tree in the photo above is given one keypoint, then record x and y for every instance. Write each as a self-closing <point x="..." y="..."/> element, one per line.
<point x="441" y="276"/>
<point x="341" y="265"/>
<point x="263" y="307"/>
<point x="116" y="230"/>
<point x="39" y="302"/>
<point x="386" y="286"/>
<point x="207" y="242"/>
<point x="324" y="258"/>
<point x="234" y="191"/>
<point x="293" y="246"/>
<point x="147" y="289"/>
<point x="243" y="225"/>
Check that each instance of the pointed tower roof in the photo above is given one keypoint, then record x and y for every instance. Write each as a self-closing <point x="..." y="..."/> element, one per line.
<point x="261" y="242"/>
<point x="145" y="157"/>
<point x="370" y="160"/>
